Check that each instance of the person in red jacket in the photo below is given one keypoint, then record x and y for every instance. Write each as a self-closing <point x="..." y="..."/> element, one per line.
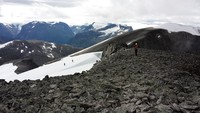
<point x="136" y="48"/>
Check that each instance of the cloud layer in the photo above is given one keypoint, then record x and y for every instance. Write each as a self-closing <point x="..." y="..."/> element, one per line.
<point x="87" y="11"/>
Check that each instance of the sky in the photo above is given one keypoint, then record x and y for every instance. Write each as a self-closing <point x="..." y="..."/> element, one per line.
<point x="78" y="12"/>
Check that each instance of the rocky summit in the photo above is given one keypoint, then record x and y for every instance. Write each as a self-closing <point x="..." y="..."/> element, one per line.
<point x="153" y="82"/>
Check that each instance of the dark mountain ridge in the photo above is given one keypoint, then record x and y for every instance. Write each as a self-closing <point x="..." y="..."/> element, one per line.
<point x="151" y="38"/>
<point x="35" y="52"/>
<point x="52" y="32"/>
<point x="5" y="34"/>
<point x="61" y="33"/>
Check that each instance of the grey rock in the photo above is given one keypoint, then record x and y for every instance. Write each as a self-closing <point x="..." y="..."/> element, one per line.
<point x="34" y="85"/>
<point x="51" y="91"/>
<point x="159" y="100"/>
<point x="144" y="107"/>
<point x="152" y="97"/>
<point x="164" y="108"/>
<point x="53" y="86"/>
<point x="175" y="107"/>
<point x="138" y="102"/>
<point x="79" y="109"/>
<point x="4" y="109"/>
<point x="130" y="108"/>
<point x="141" y="95"/>
<point x="184" y="110"/>
<point x="57" y="94"/>
<point x="105" y="111"/>
<point x="189" y="107"/>
<point x="196" y="99"/>
<point x="67" y="108"/>
<point x="57" y="101"/>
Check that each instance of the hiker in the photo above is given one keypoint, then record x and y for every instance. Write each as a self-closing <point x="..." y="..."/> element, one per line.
<point x="136" y="48"/>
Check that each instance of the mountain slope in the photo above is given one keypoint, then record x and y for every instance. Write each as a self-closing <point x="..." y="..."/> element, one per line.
<point x="35" y="52"/>
<point x="155" y="81"/>
<point x="14" y="28"/>
<point x="150" y="38"/>
<point x="91" y="34"/>
<point x="58" y="33"/>
<point x="5" y="34"/>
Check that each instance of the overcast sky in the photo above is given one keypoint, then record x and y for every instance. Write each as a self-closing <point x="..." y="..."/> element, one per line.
<point x="135" y="12"/>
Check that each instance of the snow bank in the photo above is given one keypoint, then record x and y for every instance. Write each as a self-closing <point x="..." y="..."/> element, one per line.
<point x="66" y="66"/>
<point x="4" y="45"/>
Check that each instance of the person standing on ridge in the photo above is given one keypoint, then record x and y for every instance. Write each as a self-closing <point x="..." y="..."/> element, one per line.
<point x="136" y="48"/>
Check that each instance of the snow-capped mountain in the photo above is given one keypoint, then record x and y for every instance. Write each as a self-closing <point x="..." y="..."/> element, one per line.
<point x="14" y="28"/>
<point x="37" y="52"/>
<point x="56" y="32"/>
<point x="87" y="35"/>
<point x="106" y="28"/>
<point x="172" y="27"/>
<point x="150" y="38"/>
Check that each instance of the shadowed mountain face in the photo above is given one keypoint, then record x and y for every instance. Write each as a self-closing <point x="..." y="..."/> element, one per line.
<point x="175" y="41"/>
<point x="33" y="53"/>
<point x="58" y="33"/>
<point x="151" y="38"/>
<point x="5" y="34"/>
<point x="156" y="39"/>
<point x="24" y="65"/>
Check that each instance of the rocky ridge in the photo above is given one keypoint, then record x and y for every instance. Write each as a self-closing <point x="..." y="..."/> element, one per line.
<point x="153" y="82"/>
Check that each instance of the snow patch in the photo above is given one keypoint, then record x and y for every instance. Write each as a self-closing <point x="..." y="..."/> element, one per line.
<point x="7" y="71"/>
<point x="44" y="46"/>
<point x="112" y="30"/>
<point x="4" y="45"/>
<point x="22" y="51"/>
<point x="53" y="45"/>
<point x="53" y="23"/>
<point x="49" y="48"/>
<point x="50" y="55"/>
<point x="66" y="66"/>
<point x="98" y="25"/>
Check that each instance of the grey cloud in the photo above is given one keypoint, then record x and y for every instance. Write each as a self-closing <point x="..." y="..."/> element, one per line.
<point x="183" y="11"/>
<point x="57" y="3"/>
<point x="19" y="1"/>
<point x="63" y="3"/>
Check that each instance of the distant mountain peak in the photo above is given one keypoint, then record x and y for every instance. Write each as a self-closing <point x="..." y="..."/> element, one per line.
<point x="57" y="32"/>
<point x="87" y="35"/>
